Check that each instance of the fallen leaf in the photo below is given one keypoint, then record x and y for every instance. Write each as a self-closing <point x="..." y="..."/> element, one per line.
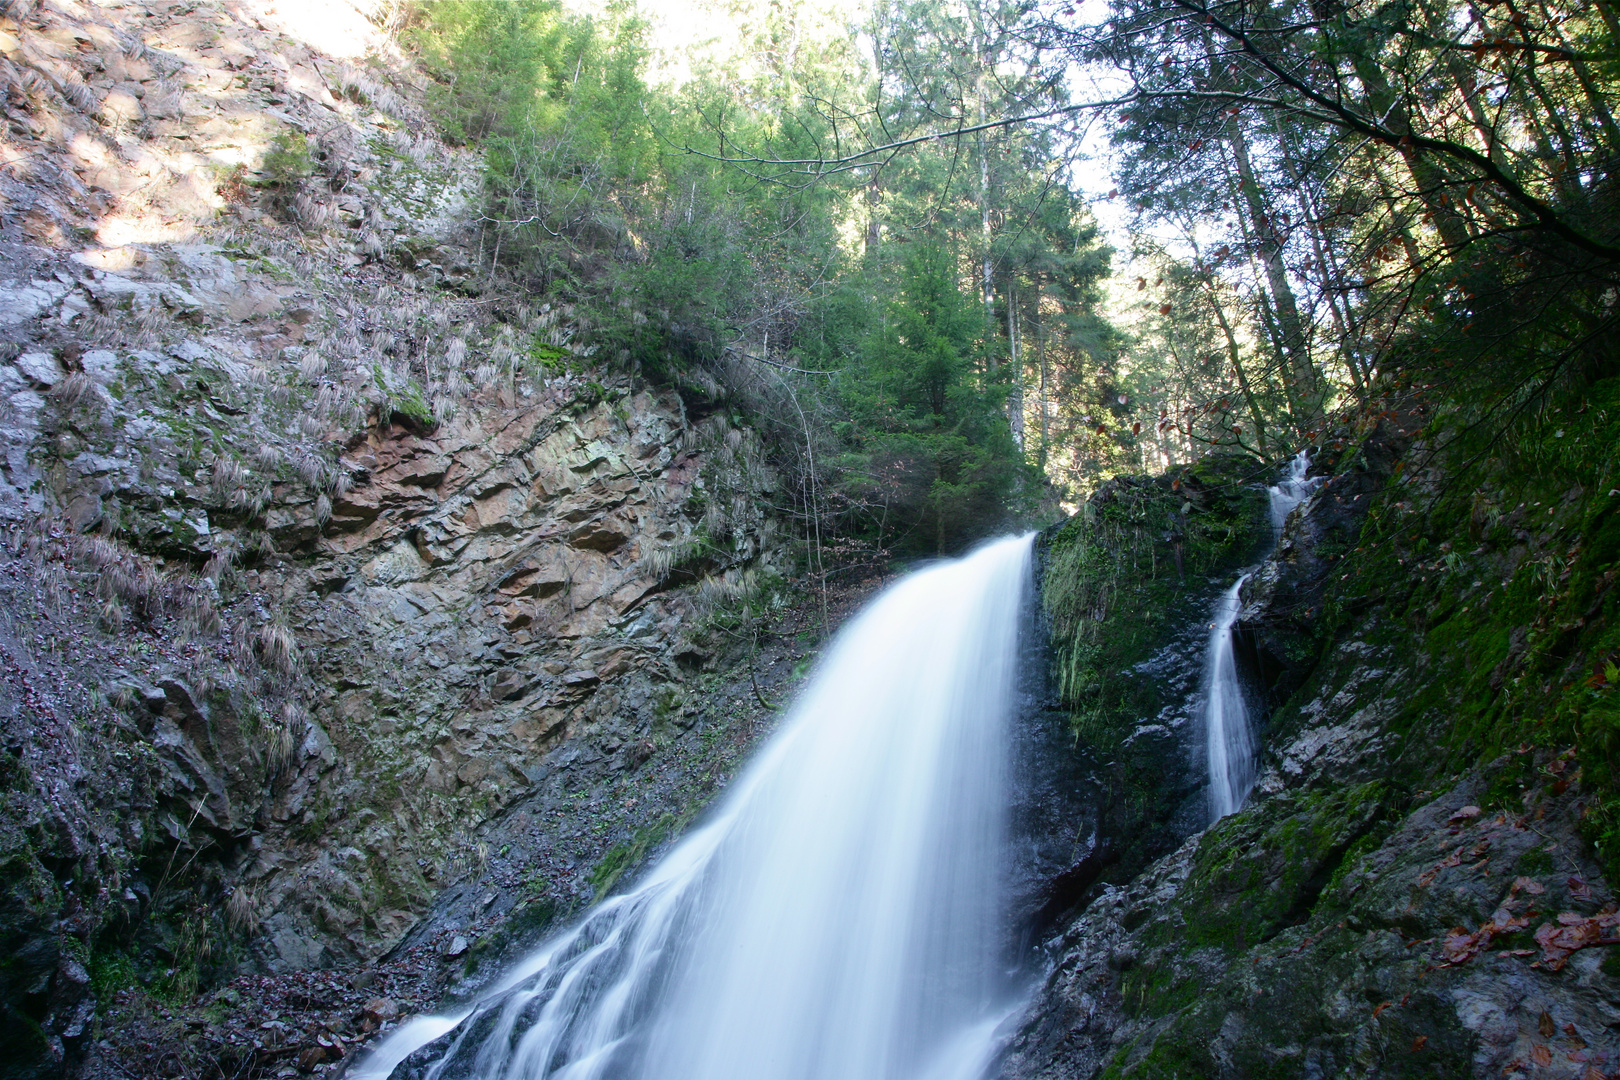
<point x="1540" y="1055"/>
<point x="1574" y="933"/>
<point x="1546" y="1026"/>
<point x="1534" y="888"/>
<point x="1460" y="946"/>
<point x="1419" y="1043"/>
<point x="1427" y="877"/>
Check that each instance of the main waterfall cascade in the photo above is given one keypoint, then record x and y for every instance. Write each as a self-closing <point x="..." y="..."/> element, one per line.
<point x="839" y="917"/>
<point x="1228" y="717"/>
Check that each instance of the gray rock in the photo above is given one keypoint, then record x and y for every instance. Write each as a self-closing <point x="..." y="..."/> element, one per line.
<point x="40" y="368"/>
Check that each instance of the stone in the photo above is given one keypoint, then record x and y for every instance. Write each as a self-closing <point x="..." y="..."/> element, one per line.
<point x="605" y="535"/>
<point x="100" y="364"/>
<point x="25" y="303"/>
<point x="509" y="685"/>
<point x="312" y="1057"/>
<point x="40" y="368"/>
<point x="381" y="1009"/>
<point x="120" y="106"/>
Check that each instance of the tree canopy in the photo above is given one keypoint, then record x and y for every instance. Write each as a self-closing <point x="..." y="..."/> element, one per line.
<point x="871" y="238"/>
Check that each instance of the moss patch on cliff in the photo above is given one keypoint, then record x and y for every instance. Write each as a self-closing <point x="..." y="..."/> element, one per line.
<point x="1113" y="572"/>
<point x="1475" y="615"/>
<point x="1496" y="561"/>
<point x="1253" y="876"/>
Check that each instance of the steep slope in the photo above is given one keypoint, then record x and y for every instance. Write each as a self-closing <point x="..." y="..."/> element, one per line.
<point x="335" y="575"/>
<point x="1419" y="885"/>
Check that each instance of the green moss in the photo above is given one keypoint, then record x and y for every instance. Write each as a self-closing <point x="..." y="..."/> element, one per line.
<point x="111" y="970"/>
<point x="629" y="854"/>
<point x="548" y="359"/>
<point x="526" y="922"/>
<point x="1537" y="862"/>
<point x="1257" y="873"/>
<point x="1505" y="575"/>
<point x="1113" y="572"/>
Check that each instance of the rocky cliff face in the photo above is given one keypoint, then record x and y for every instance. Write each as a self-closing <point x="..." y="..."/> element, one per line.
<point x="1387" y="904"/>
<point x="1126" y="587"/>
<point x="336" y="579"/>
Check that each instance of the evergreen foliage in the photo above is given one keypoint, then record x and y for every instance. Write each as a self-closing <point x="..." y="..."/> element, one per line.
<point x="879" y="365"/>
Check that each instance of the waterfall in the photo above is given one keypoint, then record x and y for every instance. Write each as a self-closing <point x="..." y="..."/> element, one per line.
<point x="1290" y="491"/>
<point x="837" y="918"/>
<point x="1228" y="724"/>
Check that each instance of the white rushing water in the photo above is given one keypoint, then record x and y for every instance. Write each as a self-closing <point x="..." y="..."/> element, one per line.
<point x="1228" y="721"/>
<point x="839" y="916"/>
<point x="1228" y="728"/>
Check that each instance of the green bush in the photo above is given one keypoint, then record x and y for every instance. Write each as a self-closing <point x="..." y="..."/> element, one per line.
<point x="288" y="161"/>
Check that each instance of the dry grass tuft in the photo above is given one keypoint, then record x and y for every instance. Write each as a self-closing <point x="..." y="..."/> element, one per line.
<point x="276" y="647"/>
<point x="228" y="479"/>
<point x="76" y="387"/>
<point x="242" y="911"/>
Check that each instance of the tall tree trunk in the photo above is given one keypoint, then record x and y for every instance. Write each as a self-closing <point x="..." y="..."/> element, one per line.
<point x="1583" y="75"/>
<point x="987" y="281"/>
<point x="1015" y="401"/>
<point x="1431" y="180"/>
<point x="874" y="224"/>
<point x="1235" y="355"/>
<point x="1269" y="242"/>
<point x="1041" y="352"/>
<point x="1399" y="219"/>
<point x="1332" y="276"/>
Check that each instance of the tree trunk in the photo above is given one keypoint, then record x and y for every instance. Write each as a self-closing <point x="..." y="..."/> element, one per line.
<point x="1299" y="374"/>
<point x="1015" y="401"/>
<point x="1430" y="178"/>
<point x="1234" y="354"/>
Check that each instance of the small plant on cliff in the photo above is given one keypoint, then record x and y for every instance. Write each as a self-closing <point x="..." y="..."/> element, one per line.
<point x="287" y="164"/>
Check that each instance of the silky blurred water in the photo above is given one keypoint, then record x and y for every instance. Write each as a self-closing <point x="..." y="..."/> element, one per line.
<point x="839" y="916"/>
<point x="1229" y="735"/>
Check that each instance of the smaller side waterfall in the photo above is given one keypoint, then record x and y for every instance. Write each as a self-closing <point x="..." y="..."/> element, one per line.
<point x="1228" y="723"/>
<point x="1227" y="727"/>
<point x="1293" y="489"/>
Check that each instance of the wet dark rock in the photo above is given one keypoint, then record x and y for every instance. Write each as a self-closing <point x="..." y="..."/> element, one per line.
<point x="1126" y="589"/>
<point x="1279" y="626"/>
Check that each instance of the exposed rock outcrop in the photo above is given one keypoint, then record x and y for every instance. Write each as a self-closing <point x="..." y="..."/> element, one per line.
<point x="1280" y="624"/>
<point x="346" y="595"/>
<point x="1386" y="905"/>
<point x="1126" y="588"/>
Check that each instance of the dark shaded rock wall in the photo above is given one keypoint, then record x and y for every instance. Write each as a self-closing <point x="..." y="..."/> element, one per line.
<point x="1126" y="588"/>
<point x="1410" y="892"/>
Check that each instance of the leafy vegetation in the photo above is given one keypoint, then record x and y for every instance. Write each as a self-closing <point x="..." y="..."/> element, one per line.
<point x="859" y="322"/>
<point x="870" y="246"/>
